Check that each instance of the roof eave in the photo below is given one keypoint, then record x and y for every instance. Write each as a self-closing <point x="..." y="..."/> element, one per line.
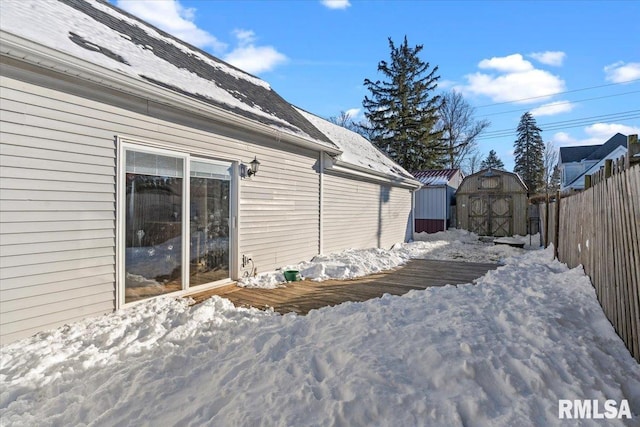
<point x="351" y="169"/>
<point x="42" y="56"/>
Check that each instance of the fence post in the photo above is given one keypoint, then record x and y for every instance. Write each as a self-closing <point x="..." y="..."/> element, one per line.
<point x="587" y="182"/>
<point x="546" y="222"/>
<point x="608" y="167"/>
<point x="633" y="148"/>
<point x="557" y="227"/>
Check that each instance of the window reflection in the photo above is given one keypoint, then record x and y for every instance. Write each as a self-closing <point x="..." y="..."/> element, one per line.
<point x="209" y="230"/>
<point x="153" y="228"/>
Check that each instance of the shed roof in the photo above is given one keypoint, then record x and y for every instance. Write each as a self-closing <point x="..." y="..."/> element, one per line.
<point x="490" y="172"/>
<point x="435" y="176"/>
<point x="102" y="34"/>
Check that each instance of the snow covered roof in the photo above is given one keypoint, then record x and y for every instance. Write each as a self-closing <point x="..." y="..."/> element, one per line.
<point x="357" y="150"/>
<point x="435" y="176"/>
<point x="101" y="34"/>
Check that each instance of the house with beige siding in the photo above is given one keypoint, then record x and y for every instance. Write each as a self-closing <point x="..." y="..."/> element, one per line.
<point x="134" y="165"/>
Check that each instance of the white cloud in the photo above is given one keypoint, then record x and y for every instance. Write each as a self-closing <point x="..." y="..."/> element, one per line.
<point x="512" y="79"/>
<point x="518" y="87"/>
<point x="552" y="108"/>
<point x="172" y="17"/>
<point x="597" y="133"/>
<point x="508" y="64"/>
<point x="251" y="58"/>
<point x="175" y="19"/>
<point x="447" y="84"/>
<point x="353" y="113"/>
<point x="620" y="72"/>
<point x="336" y="4"/>
<point x="549" y="58"/>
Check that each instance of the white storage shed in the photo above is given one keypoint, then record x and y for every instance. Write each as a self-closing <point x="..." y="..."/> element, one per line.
<point x="434" y="201"/>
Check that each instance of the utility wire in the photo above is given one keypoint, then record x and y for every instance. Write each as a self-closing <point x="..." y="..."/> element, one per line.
<point x="563" y="103"/>
<point x="556" y="93"/>
<point x="566" y="124"/>
<point x="544" y="126"/>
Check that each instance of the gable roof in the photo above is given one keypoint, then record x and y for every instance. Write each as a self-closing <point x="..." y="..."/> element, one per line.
<point x="435" y="176"/>
<point x="576" y="153"/>
<point x="603" y="150"/>
<point x="98" y="32"/>
<point x="592" y="152"/>
<point x="357" y="151"/>
<point x="578" y="181"/>
<point x="491" y="172"/>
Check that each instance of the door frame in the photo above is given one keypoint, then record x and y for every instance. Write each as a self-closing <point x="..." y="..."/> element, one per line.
<point x="124" y="144"/>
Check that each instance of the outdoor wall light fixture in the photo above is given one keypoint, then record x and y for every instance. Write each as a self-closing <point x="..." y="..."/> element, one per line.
<point x="253" y="169"/>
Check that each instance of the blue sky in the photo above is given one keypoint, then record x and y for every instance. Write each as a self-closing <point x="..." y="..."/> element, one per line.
<point x="574" y="64"/>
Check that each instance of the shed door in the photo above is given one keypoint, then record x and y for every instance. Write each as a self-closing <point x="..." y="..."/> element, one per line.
<point x="490" y="215"/>
<point x="479" y="215"/>
<point x="500" y="215"/>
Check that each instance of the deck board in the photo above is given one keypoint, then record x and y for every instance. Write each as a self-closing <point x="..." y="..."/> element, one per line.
<point x="304" y="296"/>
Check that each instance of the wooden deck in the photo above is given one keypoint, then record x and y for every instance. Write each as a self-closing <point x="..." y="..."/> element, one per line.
<point x="301" y="297"/>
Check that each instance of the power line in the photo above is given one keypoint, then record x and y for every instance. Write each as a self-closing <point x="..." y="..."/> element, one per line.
<point x="612" y="116"/>
<point x="566" y="124"/>
<point x="556" y="93"/>
<point x="563" y="103"/>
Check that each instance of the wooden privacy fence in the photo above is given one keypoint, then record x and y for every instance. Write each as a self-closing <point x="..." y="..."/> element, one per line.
<point x="600" y="229"/>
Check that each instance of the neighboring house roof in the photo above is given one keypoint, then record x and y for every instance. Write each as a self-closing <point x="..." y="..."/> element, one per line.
<point x="576" y="153"/>
<point x="605" y="149"/>
<point x="101" y="34"/>
<point x="592" y="152"/>
<point x="357" y="151"/>
<point x="435" y="176"/>
<point x="578" y="182"/>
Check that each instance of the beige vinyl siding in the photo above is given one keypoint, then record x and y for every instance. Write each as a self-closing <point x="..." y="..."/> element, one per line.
<point x="57" y="219"/>
<point x="360" y="214"/>
<point x="58" y="169"/>
<point x="279" y="211"/>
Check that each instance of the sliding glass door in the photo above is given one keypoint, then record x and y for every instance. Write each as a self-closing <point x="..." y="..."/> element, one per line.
<point x="209" y="221"/>
<point x="153" y="224"/>
<point x="176" y="231"/>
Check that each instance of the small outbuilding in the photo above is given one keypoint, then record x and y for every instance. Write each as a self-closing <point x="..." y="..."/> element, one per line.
<point x="492" y="202"/>
<point x="433" y="208"/>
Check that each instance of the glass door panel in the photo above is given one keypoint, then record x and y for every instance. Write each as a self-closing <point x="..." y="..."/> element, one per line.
<point x="209" y="222"/>
<point x="153" y="225"/>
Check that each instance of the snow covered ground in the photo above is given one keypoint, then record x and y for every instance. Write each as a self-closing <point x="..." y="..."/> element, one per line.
<point x="500" y="352"/>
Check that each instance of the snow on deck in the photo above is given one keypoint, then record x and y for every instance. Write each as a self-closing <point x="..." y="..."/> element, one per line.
<point x="501" y="352"/>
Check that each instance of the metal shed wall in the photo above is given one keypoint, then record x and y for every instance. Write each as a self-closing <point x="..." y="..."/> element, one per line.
<point x="431" y="209"/>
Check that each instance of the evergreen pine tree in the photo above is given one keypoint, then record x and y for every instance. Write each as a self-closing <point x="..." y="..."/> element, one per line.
<point x="401" y="113"/>
<point x="529" y="154"/>
<point x="492" y="161"/>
